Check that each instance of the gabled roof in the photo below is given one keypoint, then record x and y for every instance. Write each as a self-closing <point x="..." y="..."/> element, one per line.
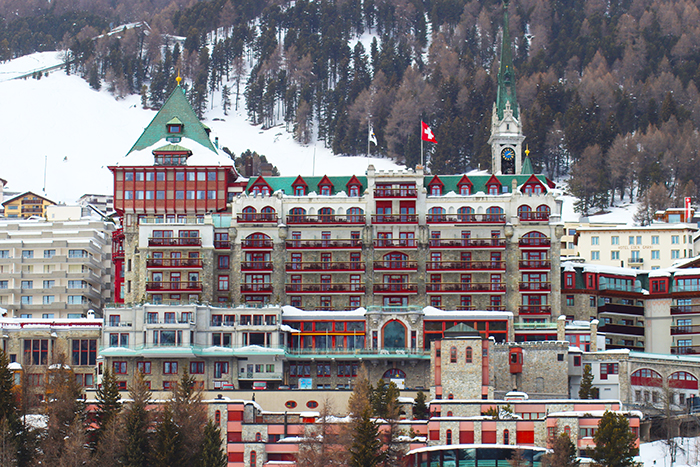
<point x="286" y="184"/>
<point x="532" y="180"/>
<point x="353" y="181"/>
<point x="493" y="181"/>
<point x="464" y="181"/>
<point x="461" y="330"/>
<point x="172" y="148"/>
<point x="436" y="181"/>
<point x="325" y="181"/>
<point x="22" y="195"/>
<point x="527" y="167"/>
<point x="300" y="181"/>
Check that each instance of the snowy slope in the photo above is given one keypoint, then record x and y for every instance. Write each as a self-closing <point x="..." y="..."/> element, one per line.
<point x="81" y="132"/>
<point x="656" y="454"/>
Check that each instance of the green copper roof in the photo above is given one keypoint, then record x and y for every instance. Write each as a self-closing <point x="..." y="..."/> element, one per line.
<point x="176" y="107"/>
<point x="527" y="167"/>
<point x="172" y="148"/>
<point x="479" y="181"/>
<point x="285" y="183"/>
<point x="174" y="121"/>
<point x="506" y="72"/>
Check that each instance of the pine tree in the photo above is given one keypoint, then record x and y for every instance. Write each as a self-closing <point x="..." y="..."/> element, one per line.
<point x="136" y="424"/>
<point x="225" y="99"/>
<point x="585" y="389"/>
<point x="614" y="442"/>
<point x="167" y="442"/>
<point x="563" y="453"/>
<point x="366" y="448"/>
<point x="108" y="401"/>
<point x="213" y="455"/>
<point x="420" y="408"/>
<point x="189" y="416"/>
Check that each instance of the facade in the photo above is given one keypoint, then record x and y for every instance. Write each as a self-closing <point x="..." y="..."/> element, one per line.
<point x="103" y="203"/>
<point x="26" y="205"/>
<point x="54" y="270"/>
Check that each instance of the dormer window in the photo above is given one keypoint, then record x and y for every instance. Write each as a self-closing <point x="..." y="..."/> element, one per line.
<point x="299" y="190"/>
<point x="325" y="190"/>
<point x="174" y="126"/>
<point x="465" y="190"/>
<point x="170" y="159"/>
<point x="436" y="190"/>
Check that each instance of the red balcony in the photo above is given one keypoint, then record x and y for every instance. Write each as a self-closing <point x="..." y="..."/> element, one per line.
<point x="257" y="244"/>
<point x="446" y="243"/>
<point x="466" y="265"/>
<point x="256" y="288"/>
<point x="174" y="241"/>
<point x="222" y="244"/>
<point x="536" y="264"/>
<point x="685" y="350"/>
<point x="345" y="288"/>
<point x="685" y="309"/>
<point x="395" y="243"/>
<point x="402" y="288"/>
<point x="184" y="286"/>
<point x="534" y="309"/>
<point x="533" y="216"/>
<point x="395" y="219"/>
<point x="395" y="265"/>
<point x="323" y="244"/>
<point x="465" y="218"/>
<point x="534" y="242"/>
<point x="192" y="263"/>
<point x="459" y="287"/>
<point x="536" y="286"/>
<point x="326" y="266"/>
<point x="257" y="218"/>
<point x="349" y="219"/>
<point x="688" y="329"/>
<point x="256" y="266"/>
<point x="395" y="193"/>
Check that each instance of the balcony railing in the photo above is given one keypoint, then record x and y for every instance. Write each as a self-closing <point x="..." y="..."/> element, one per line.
<point x="326" y="266"/>
<point x="629" y="330"/>
<point x="685" y="350"/>
<point x="535" y="309"/>
<point x="533" y="216"/>
<point x="685" y="309"/>
<point x="395" y="288"/>
<point x="326" y="288"/>
<point x="222" y="244"/>
<point x="173" y="263"/>
<point x="256" y="266"/>
<point x="322" y="244"/>
<point x="543" y="285"/>
<point x="348" y="219"/>
<point x="395" y="243"/>
<point x="635" y="260"/>
<point x="184" y="286"/>
<point x="395" y="265"/>
<point x="685" y="329"/>
<point x="395" y="193"/>
<point x="465" y="218"/>
<point x="257" y="244"/>
<point x="465" y="265"/>
<point x="442" y="287"/>
<point x="535" y="264"/>
<point x="435" y="243"/>
<point x="622" y="309"/>
<point x="256" y="288"/>
<point x="174" y="241"/>
<point x="536" y="242"/>
<point x="395" y="219"/>
<point x="257" y="217"/>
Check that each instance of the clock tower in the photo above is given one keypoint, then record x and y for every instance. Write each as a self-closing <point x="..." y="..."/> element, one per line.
<point x="506" y="126"/>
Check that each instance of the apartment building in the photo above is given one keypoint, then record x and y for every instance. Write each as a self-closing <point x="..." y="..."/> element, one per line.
<point x="26" y="205"/>
<point x="53" y="270"/>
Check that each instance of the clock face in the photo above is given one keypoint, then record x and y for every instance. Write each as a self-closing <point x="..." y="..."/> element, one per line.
<point x="508" y="154"/>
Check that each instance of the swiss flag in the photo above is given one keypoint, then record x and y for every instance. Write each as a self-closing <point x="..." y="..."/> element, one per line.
<point x="426" y="133"/>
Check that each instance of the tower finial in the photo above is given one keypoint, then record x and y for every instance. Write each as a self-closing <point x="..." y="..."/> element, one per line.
<point x="527" y="150"/>
<point x="178" y="79"/>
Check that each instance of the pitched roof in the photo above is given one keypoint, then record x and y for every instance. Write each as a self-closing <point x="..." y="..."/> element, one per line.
<point x="461" y="330"/>
<point x="21" y="195"/>
<point x="527" y="167"/>
<point x="285" y="183"/>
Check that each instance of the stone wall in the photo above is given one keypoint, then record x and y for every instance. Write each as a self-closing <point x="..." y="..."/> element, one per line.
<point x="544" y="373"/>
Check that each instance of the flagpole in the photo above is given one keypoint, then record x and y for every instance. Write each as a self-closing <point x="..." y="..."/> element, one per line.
<point x="369" y="135"/>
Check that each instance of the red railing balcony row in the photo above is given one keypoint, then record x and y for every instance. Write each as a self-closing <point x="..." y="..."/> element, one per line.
<point x="326" y="288"/>
<point x="687" y="329"/>
<point x="465" y="265"/>
<point x="685" y="309"/>
<point x="165" y="286"/>
<point x="538" y="242"/>
<point x="535" y="264"/>
<point x="395" y="193"/>
<point x="465" y="218"/>
<point x="540" y="285"/>
<point x="395" y="243"/>
<point x="174" y="241"/>
<point x="467" y="242"/>
<point x="349" y="266"/>
<point x="535" y="309"/>
<point x="222" y="244"/>
<point x="533" y="216"/>
<point x="257" y="217"/>
<point x="350" y="219"/>
<point x="256" y="266"/>
<point x="173" y="263"/>
<point x="443" y="287"/>
<point x="395" y="265"/>
<point x="395" y="219"/>
<point x="396" y="288"/>
<point x="257" y="244"/>
<point x="322" y="244"/>
<point x="256" y="288"/>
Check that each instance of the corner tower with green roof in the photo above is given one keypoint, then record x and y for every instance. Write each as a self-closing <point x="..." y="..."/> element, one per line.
<point x="506" y="126"/>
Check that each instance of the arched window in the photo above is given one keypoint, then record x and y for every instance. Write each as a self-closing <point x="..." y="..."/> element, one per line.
<point x="253" y="459"/>
<point x="506" y="437"/>
<point x="451" y="396"/>
<point x="436" y="214"/>
<point x="395" y="260"/>
<point x="258" y="240"/>
<point x="448" y="435"/>
<point x="466" y="214"/>
<point x="394" y="373"/>
<point x="469" y="354"/>
<point x="296" y="215"/>
<point x="646" y="377"/>
<point x="567" y="430"/>
<point x="258" y="437"/>
<point x="268" y="213"/>
<point x="325" y="215"/>
<point x="524" y="212"/>
<point x="217" y="417"/>
<point x="534" y="239"/>
<point x="465" y="189"/>
<point x="249" y="213"/>
<point x="543" y="212"/>
<point x="449" y="413"/>
<point x="494" y="214"/>
<point x="683" y="380"/>
<point x="355" y="215"/>
<point x="395" y="335"/>
<point x="453" y="355"/>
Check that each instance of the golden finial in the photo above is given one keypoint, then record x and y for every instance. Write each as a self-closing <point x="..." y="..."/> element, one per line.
<point x="178" y="79"/>
<point x="527" y="150"/>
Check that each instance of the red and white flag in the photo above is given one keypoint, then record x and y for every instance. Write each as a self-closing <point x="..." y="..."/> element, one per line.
<point x="426" y="133"/>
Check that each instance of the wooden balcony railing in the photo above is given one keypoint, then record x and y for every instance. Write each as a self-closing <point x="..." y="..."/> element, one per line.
<point x="442" y="287"/>
<point x="395" y="243"/>
<point x="465" y="218"/>
<point x="395" y="288"/>
<point x="537" y="242"/>
<point x="395" y="193"/>
<point x="535" y="309"/>
<point x="544" y="286"/>
<point x="395" y="219"/>
<point x="309" y="266"/>
<point x="256" y="244"/>
<point x="164" y="286"/>
<point x="174" y="241"/>
<point x="256" y="288"/>
<point x="351" y="288"/>
<point x="685" y="309"/>
<point x="436" y="243"/>
<point x="222" y="244"/>
<point x="349" y="219"/>
<point x="535" y="264"/>
<point x="173" y="263"/>
<point x="533" y="216"/>
<point x="257" y="217"/>
<point x="395" y="265"/>
<point x="685" y="329"/>
<point x="256" y="266"/>
<point x="323" y="244"/>
<point x="465" y="265"/>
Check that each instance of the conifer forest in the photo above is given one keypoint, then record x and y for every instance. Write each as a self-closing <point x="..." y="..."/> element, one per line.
<point x="607" y="90"/>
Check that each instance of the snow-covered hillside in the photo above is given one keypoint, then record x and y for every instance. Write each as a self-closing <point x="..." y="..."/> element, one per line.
<point x="80" y="132"/>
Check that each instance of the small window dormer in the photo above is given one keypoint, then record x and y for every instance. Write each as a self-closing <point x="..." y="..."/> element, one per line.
<point x="299" y="187"/>
<point x="174" y="126"/>
<point x="325" y="186"/>
<point x="171" y="154"/>
<point x="465" y="186"/>
<point x="435" y="186"/>
<point x="493" y="186"/>
<point x="354" y="187"/>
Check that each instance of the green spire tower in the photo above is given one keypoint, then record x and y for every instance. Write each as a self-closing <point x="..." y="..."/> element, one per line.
<point x="506" y="73"/>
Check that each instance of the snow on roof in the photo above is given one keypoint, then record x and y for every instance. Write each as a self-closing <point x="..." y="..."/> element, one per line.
<point x="601" y="268"/>
<point x="687" y="272"/>
<point x="290" y="312"/>
<point x="432" y="312"/>
<point x="594" y="413"/>
<point x="288" y="328"/>
<point x="406" y="400"/>
<point x="36" y="420"/>
<point x="14" y="366"/>
<point x="309" y="414"/>
<point x="661" y="272"/>
<point x="201" y="155"/>
<point x="472" y="446"/>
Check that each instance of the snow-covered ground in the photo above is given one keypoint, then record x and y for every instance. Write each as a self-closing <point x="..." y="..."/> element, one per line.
<point x="657" y="454"/>
<point x="79" y="132"/>
<point x="622" y="213"/>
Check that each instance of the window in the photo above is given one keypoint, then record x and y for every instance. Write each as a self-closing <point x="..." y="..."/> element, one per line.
<point x="144" y="367"/>
<point x="196" y="368"/>
<point x="608" y="369"/>
<point x="654" y="239"/>
<point x="169" y="368"/>
<point x="26" y="300"/>
<point x="569" y="300"/>
<point x="675" y="254"/>
<point x="77" y="254"/>
<point x="48" y="299"/>
<point x="27" y="254"/>
<point x="674" y="239"/>
<point x="594" y="240"/>
<point x="469" y="356"/>
<point x="84" y="351"/>
<point x="49" y="253"/>
<point x="223" y="283"/>
<point x="27" y="284"/>
<point x="655" y="254"/>
<point x="453" y="355"/>
<point x="75" y="300"/>
<point x="223" y="262"/>
<point x="36" y="351"/>
<point x="220" y="368"/>
<point x="595" y="255"/>
<point x="614" y="255"/>
<point x="615" y="240"/>
<point x="119" y="368"/>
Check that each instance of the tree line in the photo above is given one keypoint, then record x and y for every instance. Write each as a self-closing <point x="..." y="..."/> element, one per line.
<point x="608" y="90"/>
